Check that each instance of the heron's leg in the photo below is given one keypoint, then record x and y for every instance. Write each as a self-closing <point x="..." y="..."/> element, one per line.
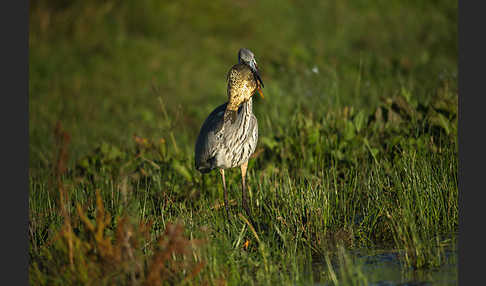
<point x="244" y="190"/>
<point x="225" y="192"/>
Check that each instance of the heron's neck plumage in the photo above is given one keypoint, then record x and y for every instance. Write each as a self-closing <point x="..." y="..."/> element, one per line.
<point x="248" y="107"/>
<point x="245" y="115"/>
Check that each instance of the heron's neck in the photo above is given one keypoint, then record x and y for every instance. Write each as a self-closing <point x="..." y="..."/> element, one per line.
<point x="248" y="107"/>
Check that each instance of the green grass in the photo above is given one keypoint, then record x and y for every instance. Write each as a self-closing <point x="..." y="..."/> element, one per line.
<point x="357" y="147"/>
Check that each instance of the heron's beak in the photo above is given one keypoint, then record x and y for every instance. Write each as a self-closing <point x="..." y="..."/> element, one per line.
<point x="258" y="79"/>
<point x="257" y="74"/>
<point x="259" y="89"/>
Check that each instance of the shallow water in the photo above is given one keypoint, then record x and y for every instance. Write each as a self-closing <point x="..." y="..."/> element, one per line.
<point x="384" y="268"/>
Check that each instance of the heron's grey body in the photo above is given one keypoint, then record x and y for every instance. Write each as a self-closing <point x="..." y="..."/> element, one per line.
<point x="225" y="144"/>
<point x="229" y="134"/>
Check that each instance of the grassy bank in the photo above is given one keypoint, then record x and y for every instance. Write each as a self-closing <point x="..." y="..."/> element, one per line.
<point x="357" y="147"/>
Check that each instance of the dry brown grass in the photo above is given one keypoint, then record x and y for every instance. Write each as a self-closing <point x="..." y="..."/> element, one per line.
<point x="98" y="252"/>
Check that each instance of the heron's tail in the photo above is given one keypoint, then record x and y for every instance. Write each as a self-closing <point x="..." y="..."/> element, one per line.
<point x="205" y="166"/>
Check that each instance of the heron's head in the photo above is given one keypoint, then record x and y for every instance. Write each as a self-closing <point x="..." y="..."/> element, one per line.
<point x="246" y="56"/>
